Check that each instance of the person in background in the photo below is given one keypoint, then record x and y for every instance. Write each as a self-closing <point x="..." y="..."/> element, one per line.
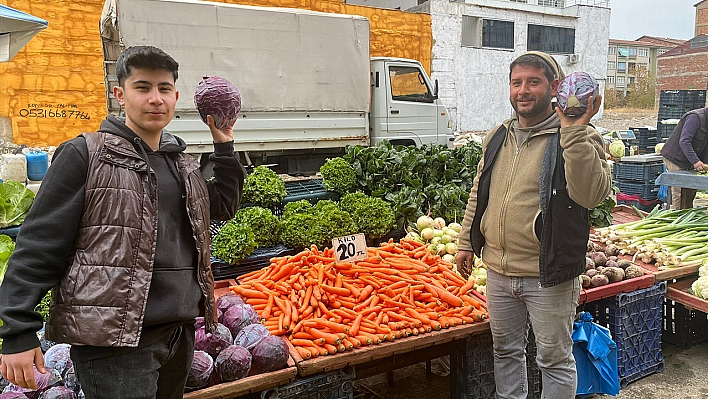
<point x="527" y="218"/>
<point x="119" y="233"/>
<point x="687" y="149"/>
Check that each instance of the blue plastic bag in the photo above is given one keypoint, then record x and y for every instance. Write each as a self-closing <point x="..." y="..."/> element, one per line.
<point x="595" y="358"/>
<point x="663" y="193"/>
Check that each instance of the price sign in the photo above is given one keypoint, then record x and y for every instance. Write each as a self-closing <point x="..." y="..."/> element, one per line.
<point x="349" y="248"/>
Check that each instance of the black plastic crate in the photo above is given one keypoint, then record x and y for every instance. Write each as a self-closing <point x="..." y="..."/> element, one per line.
<point x="635" y="322"/>
<point x="258" y="259"/>
<point x="333" y="385"/>
<point x="646" y="207"/>
<point x="684" y="327"/>
<point x="312" y="190"/>
<point x="648" y="192"/>
<point x="673" y="111"/>
<point x="472" y="368"/>
<point x="682" y="97"/>
<point x="643" y="173"/>
<point x="664" y="130"/>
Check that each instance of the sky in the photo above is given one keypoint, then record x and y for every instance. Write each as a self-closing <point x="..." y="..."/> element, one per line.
<point x="631" y="19"/>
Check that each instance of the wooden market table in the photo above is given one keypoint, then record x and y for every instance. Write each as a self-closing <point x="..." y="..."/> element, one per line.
<point x="388" y="356"/>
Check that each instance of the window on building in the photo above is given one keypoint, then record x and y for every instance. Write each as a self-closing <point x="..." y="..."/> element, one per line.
<point x="620" y="81"/>
<point x="408" y="84"/>
<point x="623" y="52"/>
<point x="611" y="65"/>
<point x="612" y="50"/>
<point x="632" y="52"/>
<point x="642" y="52"/>
<point x="661" y="52"/>
<point x="499" y="34"/>
<point x="622" y="66"/>
<point x="552" y="3"/>
<point x="611" y="79"/>
<point x="478" y="32"/>
<point x="551" y="39"/>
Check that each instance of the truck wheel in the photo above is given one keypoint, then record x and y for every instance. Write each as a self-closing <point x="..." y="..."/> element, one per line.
<point x="403" y="143"/>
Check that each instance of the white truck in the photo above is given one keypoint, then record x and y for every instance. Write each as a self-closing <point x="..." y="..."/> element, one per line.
<point x="308" y="85"/>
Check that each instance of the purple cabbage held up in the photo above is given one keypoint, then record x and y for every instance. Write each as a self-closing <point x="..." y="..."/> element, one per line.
<point x="574" y="92"/>
<point x="219" y="98"/>
<point x="58" y="393"/>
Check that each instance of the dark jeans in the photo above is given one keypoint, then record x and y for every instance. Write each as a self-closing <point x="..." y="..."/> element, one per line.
<point x="157" y="371"/>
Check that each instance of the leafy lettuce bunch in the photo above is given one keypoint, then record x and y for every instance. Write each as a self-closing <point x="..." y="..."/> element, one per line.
<point x="15" y="203"/>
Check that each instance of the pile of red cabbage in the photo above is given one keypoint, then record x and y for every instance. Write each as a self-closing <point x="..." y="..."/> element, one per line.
<point x="218" y="358"/>
<point x="574" y="91"/>
<point x="219" y="98"/>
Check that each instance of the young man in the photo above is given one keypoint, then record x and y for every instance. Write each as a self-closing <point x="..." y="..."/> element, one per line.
<point x="687" y="149"/>
<point x="119" y="232"/>
<point x="527" y="218"/>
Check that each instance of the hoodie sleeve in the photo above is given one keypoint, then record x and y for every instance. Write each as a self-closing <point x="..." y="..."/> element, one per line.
<point x="43" y="246"/>
<point x="227" y="185"/>
<point x="586" y="168"/>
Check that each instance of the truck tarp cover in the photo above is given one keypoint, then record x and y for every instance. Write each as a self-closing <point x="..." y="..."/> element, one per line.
<point x="280" y="59"/>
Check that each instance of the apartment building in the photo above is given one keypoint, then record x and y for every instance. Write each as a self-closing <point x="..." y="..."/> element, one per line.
<point x="627" y="60"/>
<point x="474" y="41"/>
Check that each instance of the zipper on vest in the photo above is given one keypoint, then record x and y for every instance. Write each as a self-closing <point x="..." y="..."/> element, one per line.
<point x="502" y="238"/>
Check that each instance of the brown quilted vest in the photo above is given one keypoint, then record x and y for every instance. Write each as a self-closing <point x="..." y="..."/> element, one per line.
<point x="101" y="298"/>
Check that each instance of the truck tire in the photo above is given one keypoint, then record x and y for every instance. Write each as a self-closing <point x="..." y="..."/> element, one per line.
<point x="403" y="142"/>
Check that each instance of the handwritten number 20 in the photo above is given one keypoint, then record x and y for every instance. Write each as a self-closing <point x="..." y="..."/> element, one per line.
<point x="346" y="250"/>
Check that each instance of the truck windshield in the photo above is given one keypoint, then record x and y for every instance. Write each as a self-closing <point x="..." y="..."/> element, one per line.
<point x="408" y="84"/>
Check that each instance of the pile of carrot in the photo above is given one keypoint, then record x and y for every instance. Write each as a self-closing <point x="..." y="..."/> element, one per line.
<point x="325" y="307"/>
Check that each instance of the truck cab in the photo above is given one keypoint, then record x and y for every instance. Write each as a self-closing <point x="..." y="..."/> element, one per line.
<point x="405" y="108"/>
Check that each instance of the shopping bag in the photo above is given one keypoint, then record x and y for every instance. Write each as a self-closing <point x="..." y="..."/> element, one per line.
<point x="595" y="358"/>
<point x="663" y="194"/>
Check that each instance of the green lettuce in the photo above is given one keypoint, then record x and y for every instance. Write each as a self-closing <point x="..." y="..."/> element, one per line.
<point x="6" y="248"/>
<point x="15" y="202"/>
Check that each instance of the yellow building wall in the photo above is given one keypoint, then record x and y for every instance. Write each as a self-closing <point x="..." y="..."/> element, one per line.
<point x="53" y="89"/>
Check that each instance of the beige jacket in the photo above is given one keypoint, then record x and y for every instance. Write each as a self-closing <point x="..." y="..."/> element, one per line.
<point x="512" y="247"/>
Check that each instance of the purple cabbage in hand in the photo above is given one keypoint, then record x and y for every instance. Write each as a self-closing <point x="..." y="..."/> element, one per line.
<point x="574" y="92"/>
<point x="219" y="98"/>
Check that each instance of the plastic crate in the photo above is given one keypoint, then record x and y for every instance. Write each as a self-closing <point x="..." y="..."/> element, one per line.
<point x="643" y="173"/>
<point x="635" y="321"/>
<point x="258" y="259"/>
<point x="311" y="190"/>
<point x="682" y="97"/>
<point x="472" y="368"/>
<point x="682" y="326"/>
<point x="333" y="385"/>
<point x="664" y="130"/>
<point x="673" y="111"/>
<point x="648" y="192"/>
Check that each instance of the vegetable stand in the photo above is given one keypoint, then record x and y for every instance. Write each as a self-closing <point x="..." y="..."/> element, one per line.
<point x="376" y="359"/>
<point x="685" y="315"/>
<point x="685" y="179"/>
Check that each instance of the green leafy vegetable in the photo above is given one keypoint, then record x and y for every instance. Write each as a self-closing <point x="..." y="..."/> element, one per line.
<point x="263" y="187"/>
<point x="7" y="246"/>
<point x="43" y="307"/>
<point x="303" y="224"/>
<point x="601" y="215"/>
<point x="338" y="175"/>
<point x="234" y="242"/>
<point x="262" y="222"/>
<point x="15" y="202"/>
<point x="373" y="216"/>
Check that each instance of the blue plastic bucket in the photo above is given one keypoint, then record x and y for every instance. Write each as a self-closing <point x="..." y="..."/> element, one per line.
<point x="37" y="164"/>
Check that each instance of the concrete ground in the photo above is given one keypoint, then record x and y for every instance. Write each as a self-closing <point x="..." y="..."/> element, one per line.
<point x="685" y="376"/>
